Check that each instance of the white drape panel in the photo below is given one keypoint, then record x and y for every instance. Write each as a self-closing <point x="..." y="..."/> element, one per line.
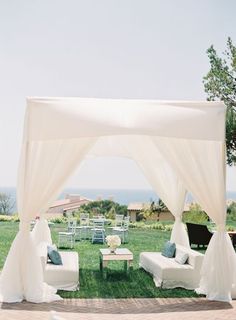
<point x="156" y="169"/>
<point x="43" y="170"/>
<point x="201" y="166"/>
<point x="45" y="167"/>
<point x="41" y="232"/>
<point x="166" y="184"/>
<point x="22" y="277"/>
<point x="219" y="269"/>
<point x="163" y="180"/>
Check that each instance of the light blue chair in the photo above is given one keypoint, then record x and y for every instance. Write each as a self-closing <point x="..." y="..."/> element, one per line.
<point x="123" y="231"/>
<point x="84" y="228"/>
<point x="119" y="219"/>
<point x="98" y="231"/>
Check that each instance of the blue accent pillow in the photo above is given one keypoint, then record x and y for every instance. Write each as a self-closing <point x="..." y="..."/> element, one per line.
<point x="169" y="249"/>
<point x="54" y="256"/>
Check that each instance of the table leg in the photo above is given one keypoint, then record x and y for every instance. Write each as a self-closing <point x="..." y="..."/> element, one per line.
<point x="128" y="266"/>
<point x="100" y="263"/>
<point x="104" y="267"/>
<point x="131" y="264"/>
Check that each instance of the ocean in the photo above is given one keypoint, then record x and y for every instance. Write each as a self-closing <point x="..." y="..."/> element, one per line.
<point x="121" y="196"/>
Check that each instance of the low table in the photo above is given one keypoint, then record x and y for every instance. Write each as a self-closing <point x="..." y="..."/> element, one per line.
<point x="121" y="254"/>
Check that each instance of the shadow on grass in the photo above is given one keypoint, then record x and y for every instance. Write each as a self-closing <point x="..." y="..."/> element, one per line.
<point x="138" y="284"/>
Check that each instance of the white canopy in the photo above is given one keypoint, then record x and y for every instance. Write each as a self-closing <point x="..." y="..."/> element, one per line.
<point x="71" y="118"/>
<point x="179" y="146"/>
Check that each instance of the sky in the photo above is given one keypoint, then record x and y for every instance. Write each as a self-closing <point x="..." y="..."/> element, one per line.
<point x="147" y="49"/>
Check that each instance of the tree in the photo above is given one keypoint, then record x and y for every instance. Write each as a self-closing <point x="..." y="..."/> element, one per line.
<point x="111" y="213"/>
<point x="6" y="203"/>
<point x="231" y="211"/>
<point x="220" y="84"/>
<point x="105" y="207"/>
<point x="195" y="214"/>
<point x="154" y="208"/>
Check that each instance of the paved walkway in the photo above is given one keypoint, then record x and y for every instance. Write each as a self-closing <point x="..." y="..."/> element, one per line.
<point x="122" y="309"/>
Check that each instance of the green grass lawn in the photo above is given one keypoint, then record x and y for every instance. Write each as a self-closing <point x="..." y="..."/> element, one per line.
<point x="138" y="284"/>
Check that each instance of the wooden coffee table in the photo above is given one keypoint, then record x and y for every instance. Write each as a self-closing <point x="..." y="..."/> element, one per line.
<point x="121" y="254"/>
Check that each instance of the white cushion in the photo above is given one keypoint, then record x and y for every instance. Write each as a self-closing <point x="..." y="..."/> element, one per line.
<point x="163" y="267"/>
<point x="181" y="257"/>
<point x="170" y="274"/>
<point x="65" y="276"/>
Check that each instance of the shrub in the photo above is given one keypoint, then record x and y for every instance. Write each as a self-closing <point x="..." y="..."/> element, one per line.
<point x="59" y="220"/>
<point x="231" y="212"/>
<point x="195" y="214"/>
<point x="7" y="218"/>
<point x="168" y="227"/>
<point x="141" y="216"/>
<point x="230" y="228"/>
<point x="106" y="207"/>
<point x="152" y="226"/>
<point x="15" y="218"/>
<point x="4" y="218"/>
<point x="111" y="214"/>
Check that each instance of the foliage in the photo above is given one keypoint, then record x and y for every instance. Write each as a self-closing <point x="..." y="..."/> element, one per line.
<point x="111" y="213"/>
<point x="151" y="226"/>
<point x="107" y="208"/>
<point x="142" y="215"/>
<point x="220" y="83"/>
<point x="195" y="214"/>
<point x="15" y="218"/>
<point x="154" y="209"/>
<point x="6" y="203"/>
<point x="58" y="220"/>
<point x="7" y="218"/>
<point x="230" y="228"/>
<point x="231" y="211"/>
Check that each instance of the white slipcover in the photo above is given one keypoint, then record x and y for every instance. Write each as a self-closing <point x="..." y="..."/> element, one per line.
<point x="65" y="276"/>
<point x="168" y="273"/>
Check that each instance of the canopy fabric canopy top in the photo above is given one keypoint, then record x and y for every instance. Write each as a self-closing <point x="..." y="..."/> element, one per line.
<point x="70" y="118"/>
<point x="179" y="145"/>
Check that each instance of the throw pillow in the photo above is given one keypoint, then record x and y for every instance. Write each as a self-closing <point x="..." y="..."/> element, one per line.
<point x="52" y="247"/>
<point x="54" y="256"/>
<point x="169" y="250"/>
<point x="181" y="257"/>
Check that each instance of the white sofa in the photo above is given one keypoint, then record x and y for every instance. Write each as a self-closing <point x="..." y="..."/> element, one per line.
<point x="61" y="277"/>
<point x="167" y="273"/>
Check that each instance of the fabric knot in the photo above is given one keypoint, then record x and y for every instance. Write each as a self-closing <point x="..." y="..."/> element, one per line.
<point x="178" y="219"/>
<point x="221" y="227"/>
